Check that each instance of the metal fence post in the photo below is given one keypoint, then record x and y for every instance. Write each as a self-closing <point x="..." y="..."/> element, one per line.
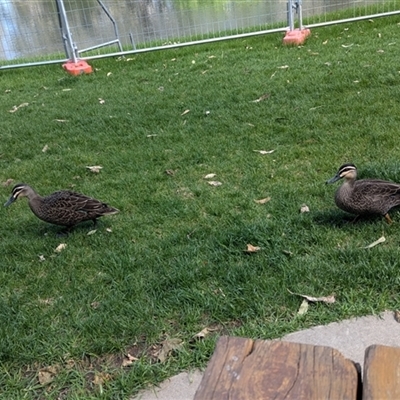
<point x="70" y="48"/>
<point x="299" y="35"/>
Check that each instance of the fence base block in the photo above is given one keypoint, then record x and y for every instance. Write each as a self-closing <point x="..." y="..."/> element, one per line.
<point x="297" y="36"/>
<point x="77" y="68"/>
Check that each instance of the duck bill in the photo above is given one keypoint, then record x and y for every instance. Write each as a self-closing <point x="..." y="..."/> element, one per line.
<point x="9" y="201"/>
<point x="334" y="179"/>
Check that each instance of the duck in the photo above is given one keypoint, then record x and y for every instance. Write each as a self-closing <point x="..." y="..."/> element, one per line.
<point x="365" y="196"/>
<point x="64" y="207"/>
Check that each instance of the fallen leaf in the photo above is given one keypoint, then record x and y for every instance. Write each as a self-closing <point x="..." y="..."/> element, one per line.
<point x="203" y="333"/>
<point x="8" y="182"/>
<point x="252" y="249"/>
<point x="214" y="183"/>
<point x="328" y="299"/>
<point x="380" y="51"/>
<point x="95" y="304"/>
<point x="170" y="172"/>
<point x="373" y="244"/>
<point x="16" y="108"/>
<point x="60" y="247"/>
<point x="185" y="112"/>
<point x="264" y="151"/>
<point x="109" y="73"/>
<point x="209" y="176"/>
<point x="101" y="378"/>
<point x="61" y="120"/>
<point x="95" y="168"/>
<point x="108" y="230"/>
<point x="347" y="45"/>
<point x="168" y="346"/>
<point x="263" y="97"/>
<point x="41" y="258"/>
<point x="128" y="360"/>
<point x="45" y="148"/>
<point x="47" y="302"/>
<point x="92" y="232"/>
<point x="326" y="41"/>
<point x="46" y="375"/>
<point x="263" y="201"/>
<point x="303" y="307"/>
<point x="284" y="67"/>
<point x="101" y="101"/>
<point x="304" y="208"/>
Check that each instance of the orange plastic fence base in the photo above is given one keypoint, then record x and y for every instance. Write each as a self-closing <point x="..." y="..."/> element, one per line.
<point x="77" y="68"/>
<point x="297" y="36"/>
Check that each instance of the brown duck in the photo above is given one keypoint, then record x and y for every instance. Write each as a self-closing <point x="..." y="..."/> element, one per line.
<point x="63" y="207"/>
<point x="365" y="196"/>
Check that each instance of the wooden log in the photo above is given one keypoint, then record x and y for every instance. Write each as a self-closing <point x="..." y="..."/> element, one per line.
<point x="381" y="373"/>
<point x="243" y="369"/>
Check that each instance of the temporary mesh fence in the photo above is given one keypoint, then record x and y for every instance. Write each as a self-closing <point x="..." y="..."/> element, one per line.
<point x="33" y="31"/>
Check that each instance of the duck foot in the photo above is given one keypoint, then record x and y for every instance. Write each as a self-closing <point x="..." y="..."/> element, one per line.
<point x="388" y="219"/>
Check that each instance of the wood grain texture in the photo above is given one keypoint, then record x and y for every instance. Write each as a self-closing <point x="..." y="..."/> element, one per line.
<point x="243" y="369"/>
<point x="381" y="373"/>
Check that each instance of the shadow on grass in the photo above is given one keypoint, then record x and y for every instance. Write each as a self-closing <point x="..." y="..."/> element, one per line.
<point x="339" y="219"/>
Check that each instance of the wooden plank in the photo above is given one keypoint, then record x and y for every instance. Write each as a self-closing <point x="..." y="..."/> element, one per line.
<point x="250" y="370"/>
<point x="381" y="373"/>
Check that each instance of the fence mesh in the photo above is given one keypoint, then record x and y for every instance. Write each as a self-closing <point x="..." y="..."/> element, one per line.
<point x="30" y="29"/>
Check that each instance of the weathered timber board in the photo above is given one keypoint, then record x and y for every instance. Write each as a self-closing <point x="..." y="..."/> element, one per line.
<point x="381" y="373"/>
<point x="243" y="369"/>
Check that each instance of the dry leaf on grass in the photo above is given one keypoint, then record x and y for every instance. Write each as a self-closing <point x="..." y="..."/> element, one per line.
<point x="100" y="378"/>
<point x="109" y="73"/>
<point x="128" y="360"/>
<point x="284" y="67"/>
<point x="46" y="375"/>
<point x="45" y="148"/>
<point x="210" y="176"/>
<point x="16" y="108"/>
<point x="252" y="249"/>
<point x="373" y="244"/>
<point x="41" y="258"/>
<point x="203" y="333"/>
<point x="264" y="151"/>
<point x="8" y="182"/>
<point x="170" y="172"/>
<point x="95" y="168"/>
<point x="347" y="45"/>
<point x="303" y="307"/>
<point x="168" y="346"/>
<point x="101" y="101"/>
<point x="61" y="120"/>
<point x="92" y="232"/>
<point x="185" y="112"/>
<point x="328" y="299"/>
<point x="60" y="247"/>
<point x="263" y="97"/>
<point x="263" y="201"/>
<point x="304" y="208"/>
<point x="214" y="183"/>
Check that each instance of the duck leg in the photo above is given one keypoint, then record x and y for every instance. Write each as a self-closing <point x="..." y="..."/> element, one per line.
<point x="388" y="219"/>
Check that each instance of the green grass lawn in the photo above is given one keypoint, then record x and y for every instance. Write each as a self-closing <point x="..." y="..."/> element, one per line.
<point x="172" y="262"/>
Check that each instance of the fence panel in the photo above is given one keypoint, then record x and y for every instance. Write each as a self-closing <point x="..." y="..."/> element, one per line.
<point x="30" y="29"/>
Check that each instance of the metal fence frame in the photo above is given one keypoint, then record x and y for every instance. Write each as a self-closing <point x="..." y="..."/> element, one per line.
<point x="294" y="9"/>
